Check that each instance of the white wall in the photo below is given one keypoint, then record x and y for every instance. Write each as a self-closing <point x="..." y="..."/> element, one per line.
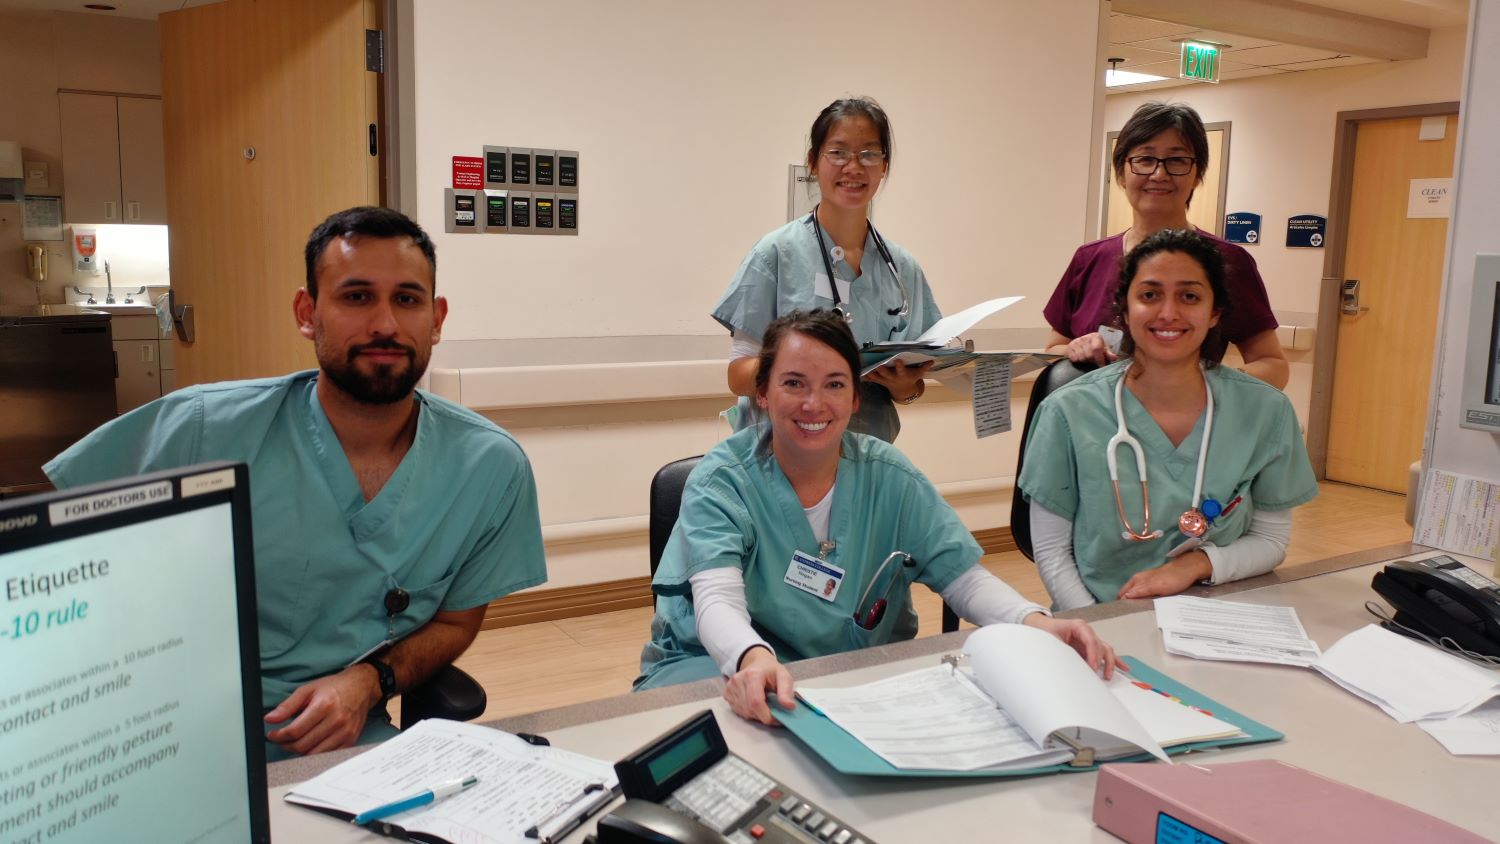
<point x="41" y="52"/>
<point x="687" y="115"/>
<point x="1281" y="155"/>
<point x="1473" y="230"/>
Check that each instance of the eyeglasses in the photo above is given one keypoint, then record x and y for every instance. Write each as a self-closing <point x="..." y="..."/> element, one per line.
<point x="1145" y="165"/>
<point x="867" y="157"/>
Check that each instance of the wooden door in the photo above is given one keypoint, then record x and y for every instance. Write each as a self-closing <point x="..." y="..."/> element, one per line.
<point x="1383" y="366"/>
<point x="143" y="181"/>
<point x="267" y="112"/>
<point x="1207" y="210"/>
<point x="91" y="158"/>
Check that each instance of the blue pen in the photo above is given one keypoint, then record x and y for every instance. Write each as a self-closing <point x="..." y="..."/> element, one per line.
<point x="431" y="795"/>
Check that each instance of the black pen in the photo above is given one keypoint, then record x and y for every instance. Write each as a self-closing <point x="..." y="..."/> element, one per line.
<point x="571" y="821"/>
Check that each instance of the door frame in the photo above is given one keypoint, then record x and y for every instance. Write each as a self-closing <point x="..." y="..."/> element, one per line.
<point x="1227" y="127"/>
<point x="1341" y="189"/>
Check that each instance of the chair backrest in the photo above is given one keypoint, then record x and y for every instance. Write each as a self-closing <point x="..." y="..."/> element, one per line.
<point x="666" y="500"/>
<point x="1055" y="375"/>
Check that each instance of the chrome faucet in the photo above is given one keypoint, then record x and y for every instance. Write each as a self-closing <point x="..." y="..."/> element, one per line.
<point x="109" y="286"/>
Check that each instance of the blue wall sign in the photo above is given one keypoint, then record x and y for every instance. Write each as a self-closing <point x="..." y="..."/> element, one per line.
<point x="1306" y="231"/>
<point x="1242" y="227"/>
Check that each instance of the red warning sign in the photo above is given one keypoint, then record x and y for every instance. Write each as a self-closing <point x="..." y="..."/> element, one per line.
<point x="468" y="172"/>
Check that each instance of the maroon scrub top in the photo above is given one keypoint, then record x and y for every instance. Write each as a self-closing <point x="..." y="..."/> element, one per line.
<point x="1085" y="297"/>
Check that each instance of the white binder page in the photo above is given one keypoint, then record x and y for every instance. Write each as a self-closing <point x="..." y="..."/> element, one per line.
<point x="1046" y="687"/>
<point x="949" y="327"/>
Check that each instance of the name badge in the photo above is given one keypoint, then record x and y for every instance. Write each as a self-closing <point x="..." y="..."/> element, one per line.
<point x="814" y="576"/>
<point x="825" y="291"/>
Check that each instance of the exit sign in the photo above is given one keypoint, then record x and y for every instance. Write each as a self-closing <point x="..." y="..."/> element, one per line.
<point x="1200" y="62"/>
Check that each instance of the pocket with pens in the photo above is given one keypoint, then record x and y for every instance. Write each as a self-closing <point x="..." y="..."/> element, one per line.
<point x="1227" y="524"/>
<point x="523" y="789"/>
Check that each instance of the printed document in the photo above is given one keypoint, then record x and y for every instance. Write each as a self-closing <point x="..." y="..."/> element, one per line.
<point x="1206" y="628"/>
<point x="1474" y="734"/>
<point x="1410" y="680"/>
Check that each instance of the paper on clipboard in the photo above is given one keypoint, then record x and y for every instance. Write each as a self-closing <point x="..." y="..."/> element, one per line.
<point x="936" y="339"/>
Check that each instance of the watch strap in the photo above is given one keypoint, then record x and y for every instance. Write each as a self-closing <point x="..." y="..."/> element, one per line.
<point x="387" y="677"/>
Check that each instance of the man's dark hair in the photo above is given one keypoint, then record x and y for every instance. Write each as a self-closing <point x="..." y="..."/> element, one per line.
<point x="365" y="221"/>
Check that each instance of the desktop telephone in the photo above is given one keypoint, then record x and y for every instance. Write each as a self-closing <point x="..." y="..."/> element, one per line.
<point x="685" y="786"/>
<point x="1443" y="597"/>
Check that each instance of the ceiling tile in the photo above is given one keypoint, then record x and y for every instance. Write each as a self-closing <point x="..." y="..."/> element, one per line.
<point x="1280" y="54"/>
<point x="1136" y="56"/>
<point x="1338" y="61"/>
<point x="1126" y="28"/>
<point x="1248" y="72"/>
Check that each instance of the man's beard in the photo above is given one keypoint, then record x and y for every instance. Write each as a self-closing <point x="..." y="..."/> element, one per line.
<point x="386" y="385"/>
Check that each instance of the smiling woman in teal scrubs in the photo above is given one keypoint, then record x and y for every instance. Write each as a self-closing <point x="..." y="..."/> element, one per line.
<point x="1224" y="462"/>
<point x="800" y="539"/>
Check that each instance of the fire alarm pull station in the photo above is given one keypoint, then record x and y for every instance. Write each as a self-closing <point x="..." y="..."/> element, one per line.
<point x="520" y="166"/>
<point x="544" y="168"/>
<point x="496" y="212"/>
<point x="495" y="172"/>
<point x="567" y="215"/>
<point x="544" y="212"/>
<point x="462" y="216"/>
<point x="567" y="171"/>
<point x="520" y="213"/>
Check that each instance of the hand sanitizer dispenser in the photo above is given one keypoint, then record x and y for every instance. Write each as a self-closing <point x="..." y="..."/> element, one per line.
<point x="86" y="250"/>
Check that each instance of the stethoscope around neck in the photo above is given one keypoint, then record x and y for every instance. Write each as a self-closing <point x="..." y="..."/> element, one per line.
<point x="837" y="254"/>
<point x="1192" y="522"/>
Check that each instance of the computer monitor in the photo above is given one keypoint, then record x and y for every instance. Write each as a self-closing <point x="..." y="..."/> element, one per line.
<point x="129" y="663"/>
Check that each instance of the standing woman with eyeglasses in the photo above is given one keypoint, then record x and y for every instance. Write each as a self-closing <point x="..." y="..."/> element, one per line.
<point x="835" y="258"/>
<point x="800" y="538"/>
<point x="1159" y="159"/>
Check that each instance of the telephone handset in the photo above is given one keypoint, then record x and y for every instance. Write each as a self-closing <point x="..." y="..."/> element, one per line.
<point x="1443" y="597"/>
<point x="718" y="797"/>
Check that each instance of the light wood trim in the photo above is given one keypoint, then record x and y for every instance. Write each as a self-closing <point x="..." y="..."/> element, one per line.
<point x="574" y="601"/>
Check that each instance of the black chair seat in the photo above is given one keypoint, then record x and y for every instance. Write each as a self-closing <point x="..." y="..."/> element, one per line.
<point x="1054" y="376"/>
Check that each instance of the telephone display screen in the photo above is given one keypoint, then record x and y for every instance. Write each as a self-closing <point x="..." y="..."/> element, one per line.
<point x="677" y="757"/>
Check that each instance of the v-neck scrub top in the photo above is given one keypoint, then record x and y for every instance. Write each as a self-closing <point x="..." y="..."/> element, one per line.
<point x="456" y="525"/>
<point x="785" y="273"/>
<point x="1255" y="450"/>
<point x="739" y="509"/>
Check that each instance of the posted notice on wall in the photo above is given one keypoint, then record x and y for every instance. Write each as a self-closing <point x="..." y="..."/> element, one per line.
<point x="1458" y="513"/>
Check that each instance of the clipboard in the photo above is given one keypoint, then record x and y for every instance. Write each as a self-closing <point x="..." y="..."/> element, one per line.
<point x="847" y="755"/>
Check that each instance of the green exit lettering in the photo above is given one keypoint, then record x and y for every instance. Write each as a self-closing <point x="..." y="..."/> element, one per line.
<point x="1200" y="62"/>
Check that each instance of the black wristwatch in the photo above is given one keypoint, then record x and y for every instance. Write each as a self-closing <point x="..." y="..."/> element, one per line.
<point x="387" y="678"/>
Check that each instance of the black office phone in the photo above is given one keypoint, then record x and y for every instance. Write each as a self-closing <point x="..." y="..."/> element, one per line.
<point x="1442" y="597"/>
<point x="690" y="771"/>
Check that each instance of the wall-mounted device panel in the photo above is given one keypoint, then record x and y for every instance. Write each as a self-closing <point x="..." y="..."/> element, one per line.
<point x="544" y="212"/>
<point x="1481" y="390"/>
<point x="544" y="169"/>
<point x="496" y="211"/>
<point x="520" y="212"/>
<point x="496" y="167"/>
<point x="567" y="214"/>
<point x="520" y="167"/>
<point x="567" y="171"/>
<point x="461" y="211"/>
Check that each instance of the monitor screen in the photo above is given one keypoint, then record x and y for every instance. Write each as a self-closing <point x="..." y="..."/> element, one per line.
<point x="130" y="693"/>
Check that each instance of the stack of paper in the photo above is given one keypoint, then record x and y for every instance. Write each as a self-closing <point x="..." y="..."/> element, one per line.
<point x="1409" y="680"/>
<point x="1205" y="628"/>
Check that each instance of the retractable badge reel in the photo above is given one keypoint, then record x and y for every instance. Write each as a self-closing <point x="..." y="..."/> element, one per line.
<point x="396" y="602"/>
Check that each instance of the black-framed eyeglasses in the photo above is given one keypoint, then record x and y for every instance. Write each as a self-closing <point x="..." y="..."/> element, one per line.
<point x="1145" y="165"/>
<point x="867" y="157"/>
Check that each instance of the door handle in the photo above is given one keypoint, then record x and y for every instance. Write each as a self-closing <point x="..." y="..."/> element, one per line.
<point x="1349" y="298"/>
<point x="182" y="318"/>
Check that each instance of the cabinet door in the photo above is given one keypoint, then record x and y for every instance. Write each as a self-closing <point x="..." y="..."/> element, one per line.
<point x="143" y="171"/>
<point x="138" y="378"/>
<point x="91" y="158"/>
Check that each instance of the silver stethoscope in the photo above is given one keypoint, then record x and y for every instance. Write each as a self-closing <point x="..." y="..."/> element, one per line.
<point x="1193" y="522"/>
<point x="837" y="254"/>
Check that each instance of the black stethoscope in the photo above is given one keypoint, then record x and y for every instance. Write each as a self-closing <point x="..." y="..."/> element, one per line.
<point x="837" y="253"/>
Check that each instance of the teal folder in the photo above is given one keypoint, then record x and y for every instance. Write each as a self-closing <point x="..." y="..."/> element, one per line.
<point x="850" y="756"/>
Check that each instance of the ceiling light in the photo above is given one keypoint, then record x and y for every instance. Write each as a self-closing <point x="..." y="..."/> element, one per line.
<point x="1116" y="78"/>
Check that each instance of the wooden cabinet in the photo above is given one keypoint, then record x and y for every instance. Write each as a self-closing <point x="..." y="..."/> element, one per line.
<point x="137" y="360"/>
<point x="113" y="167"/>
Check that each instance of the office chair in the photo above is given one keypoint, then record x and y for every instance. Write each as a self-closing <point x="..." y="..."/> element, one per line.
<point x="1056" y="374"/>
<point x="666" y="501"/>
<point x="449" y="694"/>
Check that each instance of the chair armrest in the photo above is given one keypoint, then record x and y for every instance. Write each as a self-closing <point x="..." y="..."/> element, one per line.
<point x="450" y="694"/>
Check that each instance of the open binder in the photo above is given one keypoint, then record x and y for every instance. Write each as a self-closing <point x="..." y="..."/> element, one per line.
<point x="1032" y="673"/>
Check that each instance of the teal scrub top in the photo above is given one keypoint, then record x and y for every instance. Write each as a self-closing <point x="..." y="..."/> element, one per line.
<point x="738" y="509"/>
<point x="782" y="274"/>
<point x="1255" y="450"/>
<point x="456" y="525"/>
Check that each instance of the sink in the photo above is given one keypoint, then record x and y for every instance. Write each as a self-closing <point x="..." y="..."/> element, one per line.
<point x="118" y="308"/>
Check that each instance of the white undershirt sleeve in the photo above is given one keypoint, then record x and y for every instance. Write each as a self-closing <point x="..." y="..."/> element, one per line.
<point x="743" y="346"/>
<point x="723" y="617"/>
<point x="1052" y="543"/>
<point x="982" y="598"/>
<point x="1261" y="548"/>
